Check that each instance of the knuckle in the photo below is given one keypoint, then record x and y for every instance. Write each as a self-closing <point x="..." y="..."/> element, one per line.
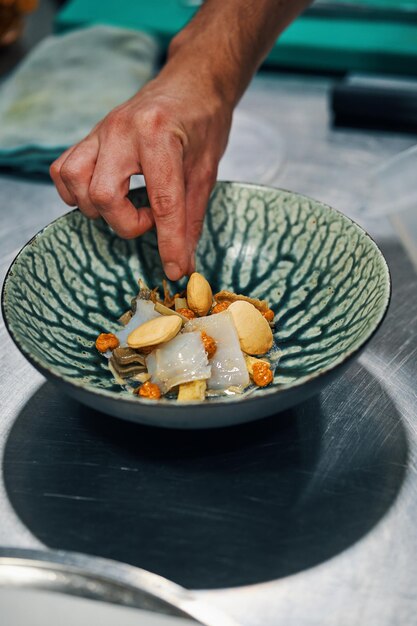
<point x="102" y="196"/>
<point x="167" y="249"/>
<point x="124" y="233"/>
<point x="154" y="119"/>
<point x="71" y="171"/>
<point x="115" y="119"/>
<point x="177" y="140"/>
<point x="163" y="207"/>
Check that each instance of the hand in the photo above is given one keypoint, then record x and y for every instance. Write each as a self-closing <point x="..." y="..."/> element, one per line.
<point x="174" y="132"/>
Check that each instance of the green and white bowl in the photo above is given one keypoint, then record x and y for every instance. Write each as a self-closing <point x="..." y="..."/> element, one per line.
<point x="324" y="277"/>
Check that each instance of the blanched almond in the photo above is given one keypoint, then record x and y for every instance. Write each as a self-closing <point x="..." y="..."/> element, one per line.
<point x="255" y="334"/>
<point x="199" y="294"/>
<point x="157" y="330"/>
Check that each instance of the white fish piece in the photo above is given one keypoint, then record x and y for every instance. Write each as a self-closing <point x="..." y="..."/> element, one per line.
<point x="144" y="312"/>
<point x="228" y="367"/>
<point x="178" y="361"/>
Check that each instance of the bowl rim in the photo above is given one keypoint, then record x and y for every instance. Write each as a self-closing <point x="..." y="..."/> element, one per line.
<point x="221" y="402"/>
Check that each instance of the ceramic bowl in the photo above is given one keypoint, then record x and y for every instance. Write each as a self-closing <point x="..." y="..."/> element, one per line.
<point x="324" y="277"/>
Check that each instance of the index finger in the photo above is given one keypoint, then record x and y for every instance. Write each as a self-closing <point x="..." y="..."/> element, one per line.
<point x="163" y="169"/>
<point x="108" y="194"/>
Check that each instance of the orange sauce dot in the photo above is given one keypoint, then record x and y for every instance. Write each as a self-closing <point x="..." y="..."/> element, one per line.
<point x="262" y="374"/>
<point x="106" y="341"/>
<point x="149" y="390"/>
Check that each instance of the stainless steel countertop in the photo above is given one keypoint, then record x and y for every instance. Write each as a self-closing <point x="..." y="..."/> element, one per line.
<point x="308" y="518"/>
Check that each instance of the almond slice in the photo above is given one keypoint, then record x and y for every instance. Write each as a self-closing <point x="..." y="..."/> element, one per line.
<point x="157" y="330"/>
<point x="255" y="334"/>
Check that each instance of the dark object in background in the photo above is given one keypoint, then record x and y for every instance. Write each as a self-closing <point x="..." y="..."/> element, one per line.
<point x="37" y="25"/>
<point x="12" y="14"/>
<point x="383" y="102"/>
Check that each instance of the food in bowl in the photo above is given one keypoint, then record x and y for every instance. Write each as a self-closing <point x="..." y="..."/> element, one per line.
<point x="325" y="278"/>
<point x="192" y="345"/>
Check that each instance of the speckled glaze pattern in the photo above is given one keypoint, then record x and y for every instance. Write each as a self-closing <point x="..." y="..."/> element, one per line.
<point x="323" y="276"/>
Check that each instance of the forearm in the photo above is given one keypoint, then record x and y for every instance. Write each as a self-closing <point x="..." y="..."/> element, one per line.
<point x="227" y="40"/>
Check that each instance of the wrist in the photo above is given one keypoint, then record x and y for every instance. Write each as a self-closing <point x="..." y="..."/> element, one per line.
<point x="227" y="40"/>
<point x="206" y="61"/>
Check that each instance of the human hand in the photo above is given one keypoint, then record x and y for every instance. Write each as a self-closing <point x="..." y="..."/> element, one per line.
<point x="174" y="132"/>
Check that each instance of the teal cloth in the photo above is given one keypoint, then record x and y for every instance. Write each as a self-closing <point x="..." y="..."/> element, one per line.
<point x="64" y="87"/>
<point x="360" y="41"/>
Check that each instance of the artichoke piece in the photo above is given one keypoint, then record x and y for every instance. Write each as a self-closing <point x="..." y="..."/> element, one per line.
<point x="194" y="391"/>
<point x="127" y="362"/>
<point x="127" y="356"/>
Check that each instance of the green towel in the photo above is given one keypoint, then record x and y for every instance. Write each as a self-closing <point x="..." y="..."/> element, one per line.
<point x="352" y="39"/>
<point x="64" y="87"/>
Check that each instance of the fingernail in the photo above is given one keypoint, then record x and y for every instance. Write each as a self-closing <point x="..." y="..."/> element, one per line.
<point x="172" y="270"/>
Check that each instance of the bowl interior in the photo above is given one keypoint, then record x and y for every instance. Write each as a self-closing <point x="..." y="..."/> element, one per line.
<point x="324" y="277"/>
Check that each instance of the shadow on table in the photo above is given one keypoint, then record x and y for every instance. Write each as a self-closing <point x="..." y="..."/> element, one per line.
<point x="214" y="508"/>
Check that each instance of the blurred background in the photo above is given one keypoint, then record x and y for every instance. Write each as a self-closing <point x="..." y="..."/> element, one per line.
<point x="332" y="35"/>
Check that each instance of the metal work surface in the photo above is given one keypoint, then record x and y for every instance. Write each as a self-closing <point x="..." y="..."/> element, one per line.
<point x="306" y="518"/>
<point x="84" y="590"/>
